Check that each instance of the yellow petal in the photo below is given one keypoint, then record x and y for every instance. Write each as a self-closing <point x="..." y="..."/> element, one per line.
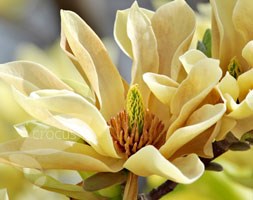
<point x="190" y="58"/>
<point x="120" y="30"/>
<point x="227" y="124"/>
<point x="198" y="122"/>
<point x="247" y="53"/>
<point x="242" y="15"/>
<point x="71" y="112"/>
<point x="242" y="127"/>
<point x="173" y="24"/>
<point x="245" y="83"/>
<point x="95" y="63"/>
<point x="144" y="47"/>
<point x="182" y="170"/>
<point x="244" y="109"/>
<point x="228" y="85"/>
<point x="199" y="83"/>
<point x="228" y="42"/>
<point x="161" y="86"/>
<point x="28" y="76"/>
<point x="56" y="154"/>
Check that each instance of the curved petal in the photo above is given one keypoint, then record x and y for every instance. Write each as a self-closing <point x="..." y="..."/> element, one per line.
<point x="182" y="170"/>
<point x="242" y="15"/>
<point x="247" y="53"/>
<point x="71" y="112"/>
<point x="95" y="63"/>
<point x="245" y="83"/>
<point x="190" y="58"/>
<point x="144" y="47"/>
<point x="229" y="85"/>
<point x="228" y="42"/>
<point x="244" y="109"/>
<point x="161" y="86"/>
<point x="173" y="24"/>
<point x="29" y="76"/>
<point x="198" y="122"/>
<point x="4" y="194"/>
<point x="242" y="127"/>
<point x="199" y="83"/>
<point x="120" y="30"/>
<point x="56" y="154"/>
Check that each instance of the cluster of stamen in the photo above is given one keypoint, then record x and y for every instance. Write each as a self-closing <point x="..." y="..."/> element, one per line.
<point x="129" y="140"/>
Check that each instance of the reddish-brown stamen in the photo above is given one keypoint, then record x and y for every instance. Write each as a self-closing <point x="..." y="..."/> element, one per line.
<point x="128" y="140"/>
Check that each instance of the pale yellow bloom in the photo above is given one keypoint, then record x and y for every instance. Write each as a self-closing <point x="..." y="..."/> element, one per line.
<point x="233" y="45"/>
<point x="154" y="41"/>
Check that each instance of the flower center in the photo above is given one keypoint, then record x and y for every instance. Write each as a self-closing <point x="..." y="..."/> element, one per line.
<point x="136" y="127"/>
<point x="129" y="140"/>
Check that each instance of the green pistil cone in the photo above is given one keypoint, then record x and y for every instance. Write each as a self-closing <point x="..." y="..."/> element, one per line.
<point x="135" y="108"/>
<point x="234" y="68"/>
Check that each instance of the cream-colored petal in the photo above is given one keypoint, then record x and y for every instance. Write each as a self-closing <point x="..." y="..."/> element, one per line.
<point x="201" y="144"/>
<point x="245" y="83"/>
<point x="198" y="122"/>
<point x="229" y="85"/>
<point x="224" y="32"/>
<point x="198" y="84"/>
<point x="29" y="76"/>
<point x="243" y="126"/>
<point x="182" y="170"/>
<point x="56" y="154"/>
<point x="242" y="15"/>
<point x="95" y="63"/>
<point x="227" y="124"/>
<point x="71" y="112"/>
<point x="161" y="86"/>
<point x="173" y="24"/>
<point x="120" y="30"/>
<point x="144" y="47"/>
<point x="190" y="58"/>
<point x="244" y="109"/>
<point x="247" y="53"/>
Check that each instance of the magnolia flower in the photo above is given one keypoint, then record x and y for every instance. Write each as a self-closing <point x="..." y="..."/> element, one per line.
<point x="232" y="44"/>
<point x="113" y="126"/>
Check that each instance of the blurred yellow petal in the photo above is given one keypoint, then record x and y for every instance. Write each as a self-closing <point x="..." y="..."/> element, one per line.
<point x="199" y="121"/>
<point x="56" y="154"/>
<point x="174" y="25"/>
<point x="71" y="112"/>
<point x="4" y="194"/>
<point x="190" y="58"/>
<point x="161" y="86"/>
<point x="95" y="63"/>
<point x="247" y="53"/>
<point x="183" y="170"/>
<point x="144" y="47"/>
<point x="29" y="76"/>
